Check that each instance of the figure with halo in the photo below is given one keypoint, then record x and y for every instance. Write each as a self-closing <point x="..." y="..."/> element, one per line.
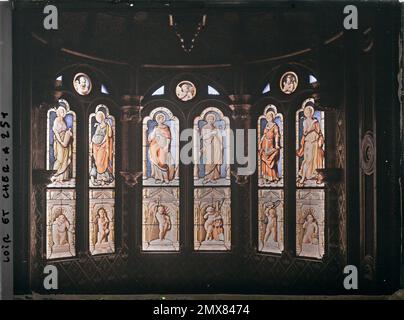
<point x="212" y="149"/>
<point x="269" y="149"/>
<point x="62" y="147"/>
<point x="102" y="150"/>
<point x="162" y="162"/>
<point x="311" y="147"/>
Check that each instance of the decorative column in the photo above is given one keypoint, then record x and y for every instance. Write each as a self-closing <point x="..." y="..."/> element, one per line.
<point x="241" y="107"/>
<point x="130" y="117"/>
<point x="242" y="192"/>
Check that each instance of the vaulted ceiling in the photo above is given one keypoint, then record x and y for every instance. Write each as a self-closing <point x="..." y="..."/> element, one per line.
<point x="145" y="37"/>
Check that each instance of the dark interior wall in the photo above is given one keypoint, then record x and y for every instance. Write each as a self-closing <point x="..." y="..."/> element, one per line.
<point x="401" y="96"/>
<point x="355" y="83"/>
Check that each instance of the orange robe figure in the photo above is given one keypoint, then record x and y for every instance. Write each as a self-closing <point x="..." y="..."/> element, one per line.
<point x="269" y="152"/>
<point x="103" y="153"/>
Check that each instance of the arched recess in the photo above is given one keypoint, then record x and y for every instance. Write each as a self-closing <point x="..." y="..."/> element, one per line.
<point x="200" y="81"/>
<point x="160" y="195"/>
<point x="100" y="79"/>
<point x="104" y="189"/>
<point x="211" y="186"/>
<point x="274" y="75"/>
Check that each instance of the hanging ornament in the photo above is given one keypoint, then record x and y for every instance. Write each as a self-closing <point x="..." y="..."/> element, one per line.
<point x="200" y="26"/>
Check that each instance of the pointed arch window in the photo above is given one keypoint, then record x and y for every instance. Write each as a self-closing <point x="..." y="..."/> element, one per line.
<point x="212" y="193"/>
<point x="310" y="193"/>
<point x="61" y="192"/>
<point x="270" y="181"/>
<point x="101" y="164"/>
<point x="308" y="185"/>
<point x="160" y="207"/>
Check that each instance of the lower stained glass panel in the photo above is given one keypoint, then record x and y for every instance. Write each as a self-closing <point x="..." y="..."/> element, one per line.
<point x="60" y="223"/>
<point x="310" y="223"/>
<point x="212" y="219"/>
<point x="102" y="221"/>
<point x="270" y="221"/>
<point x="160" y="223"/>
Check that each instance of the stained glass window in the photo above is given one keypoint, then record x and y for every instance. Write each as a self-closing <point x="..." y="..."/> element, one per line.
<point x="102" y="148"/>
<point x="102" y="221"/>
<point x="160" y="148"/>
<point x="270" y="180"/>
<point x="310" y="143"/>
<point x="101" y="164"/>
<point x="60" y="194"/>
<point x="212" y="219"/>
<point x="270" y="148"/>
<point x="212" y="210"/>
<point x="60" y="223"/>
<point x="310" y="222"/>
<point x="310" y="195"/>
<point x="212" y="139"/>
<point x="270" y="220"/>
<point x="160" y="224"/>
<point x="61" y="145"/>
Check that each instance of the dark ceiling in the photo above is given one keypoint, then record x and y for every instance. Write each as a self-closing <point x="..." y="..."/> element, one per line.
<point x="230" y="35"/>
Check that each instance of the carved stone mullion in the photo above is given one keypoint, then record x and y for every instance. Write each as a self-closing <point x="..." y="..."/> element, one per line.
<point x="241" y="113"/>
<point x="131" y="115"/>
<point x="241" y="107"/>
<point x="131" y="179"/>
<point x="131" y="110"/>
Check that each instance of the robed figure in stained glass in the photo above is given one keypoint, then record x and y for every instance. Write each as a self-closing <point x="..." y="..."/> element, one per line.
<point x="102" y="148"/>
<point x="62" y="147"/>
<point x="311" y="147"/>
<point x="269" y="149"/>
<point x="162" y="162"/>
<point x="212" y="149"/>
